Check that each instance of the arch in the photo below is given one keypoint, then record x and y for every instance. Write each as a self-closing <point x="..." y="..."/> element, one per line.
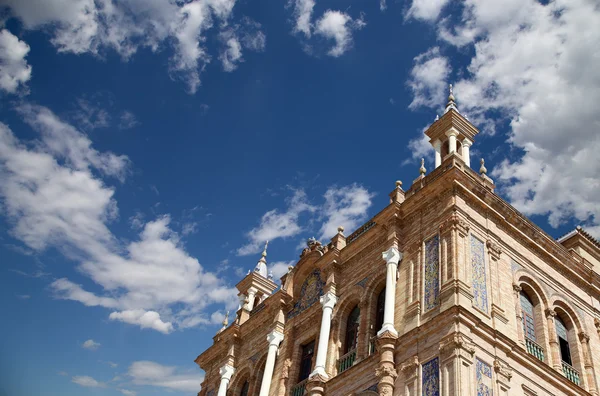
<point x="570" y="350"/>
<point x="240" y="376"/>
<point x="351" y="331"/>
<point x="528" y="281"/>
<point x="257" y="374"/>
<point x="560" y="303"/>
<point x="539" y="300"/>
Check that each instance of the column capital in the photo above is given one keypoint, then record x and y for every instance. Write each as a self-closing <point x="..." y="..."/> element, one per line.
<point x="392" y="256"/>
<point x="550" y="313"/>
<point x="275" y="337"/>
<point x="252" y="290"/>
<point x="451" y="132"/>
<point x="328" y="300"/>
<point x="226" y="371"/>
<point x="517" y="288"/>
<point x="584" y="337"/>
<point x="467" y="143"/>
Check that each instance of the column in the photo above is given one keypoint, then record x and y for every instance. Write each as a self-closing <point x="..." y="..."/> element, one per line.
<point x="553" y="340"/>
<point x="274" y="338"/>
<point x="251" y="297"/>
<point x="437" y="145"/>
<point x="466" y="155"/>
<point x="392" y="256"/>
<point x="519" y="313"/>
<point x="587" y="363"/>
<point x="452" y="134"/>
<point x="226" y="373"/>
<point x="328" y="301"/>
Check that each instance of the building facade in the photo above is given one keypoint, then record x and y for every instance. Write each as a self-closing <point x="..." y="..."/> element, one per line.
<point x="448" y="290"/>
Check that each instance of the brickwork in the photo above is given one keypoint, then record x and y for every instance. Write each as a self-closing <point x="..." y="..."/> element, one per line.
<point x="459" y="330"/>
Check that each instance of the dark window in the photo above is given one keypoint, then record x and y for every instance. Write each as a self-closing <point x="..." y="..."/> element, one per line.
<point x="561" y="332"/>
<point x="352" y="330"/>
<point x="528" y="321"/>
<point x="380" y="310"/>
<point x="245" y="387"/>
<point x="308" y="351"/>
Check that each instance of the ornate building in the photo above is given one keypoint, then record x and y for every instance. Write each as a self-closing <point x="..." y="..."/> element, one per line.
<point x="447" y="291"/>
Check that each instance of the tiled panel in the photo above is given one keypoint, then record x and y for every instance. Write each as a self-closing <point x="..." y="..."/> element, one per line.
<point x="431" y="378"/>
<point x="312" y="289"/>
<point x="432" y="273"/>
<point x="484" y="378"/>
<point x="480" y="297"/>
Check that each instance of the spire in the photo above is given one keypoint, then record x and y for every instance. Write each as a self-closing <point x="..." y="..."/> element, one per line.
<point x="261" y="266"/>
<point x="451" y="101"/>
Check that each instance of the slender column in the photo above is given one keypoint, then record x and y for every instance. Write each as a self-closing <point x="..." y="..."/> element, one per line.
<point x="452" y="134"/>
<point x="587" y="363"/>
<point x="392" y="256"/>
<point x="226" y="373"/>
<point x="554" y="348"/>
<point x="437" y="145"/>
<point x="274" y="338"/>
<point x="519" y="313"/>
<point x="466" y="155"/>
<point x="251" y="297"/>
<point x="328" y="301"/>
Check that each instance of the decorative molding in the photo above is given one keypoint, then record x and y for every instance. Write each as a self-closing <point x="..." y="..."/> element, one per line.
<point x="386" y="371"/>
<point x="362" y="283"/>
<point x="502" y="369"/>
<point x="550" y="313"/>
<point x="454" y="222"/>
<point x="359" y="232"/>
<point x="410" y="364"/>
<point x="494" y="249"/>
<point x="456" y="341"/>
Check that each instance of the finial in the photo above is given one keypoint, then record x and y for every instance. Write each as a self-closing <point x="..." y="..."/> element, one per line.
<point x="483" y="169"/>
<point x="422" y="169"/>
<point x="437" y="117"/>
<point x="451" y="100"/>
<point x="399" y="184"/>
<point x="270" y="275"/>
<point x="340" y="230"/>
<point x="226" y="319"/>
<point x="264" y="253"/>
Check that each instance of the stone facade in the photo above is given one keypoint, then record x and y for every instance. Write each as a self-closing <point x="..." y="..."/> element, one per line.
<point x="457" y="263"/>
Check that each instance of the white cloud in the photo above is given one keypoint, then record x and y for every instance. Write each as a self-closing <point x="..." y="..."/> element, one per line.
<point x="428" y="79"/>
<point x="96" y="26"/>
<point x="90" y="116"/>
<point x="279" y="268"/>
<point x="533" y="64"/>
<point x="275" y="224"/>
<point x="232" y="54"/>
<point x="145" y="319"/>
<point x="91" y="345"/>
<point x="128" y="120"/>
<point x="53" y="196"/>
<point x="303" y="10"/>
<point x="87" y="381"/>
<point x="168" y="377"/>
<point x="426" y="9"/>
<point x="345" y="206"/>
<point x="14" y="70"/>
<point x="24" y="296"/>
<point x="127" y="392"/>
<point x="338" y="26"/>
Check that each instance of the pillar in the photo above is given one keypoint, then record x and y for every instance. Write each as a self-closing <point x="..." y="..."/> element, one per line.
<point x="251" y="297"/>
<point x="328" y="301"/>
<point x="452" y="134"/>
<point x="226" y="373"/>
<point x="519" y="313"/>
<point x="466" y="155"/>
<point x="437" y="145"/>
<point x="590" y="375"/>
<point x="553" y="339"/>
<point x="274" y="338"/>
<point x="392" y="256"/>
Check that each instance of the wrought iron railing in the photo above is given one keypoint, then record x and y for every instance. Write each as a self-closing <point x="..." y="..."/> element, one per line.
<point x="299" y="389"/>
<point x="346" y="361"/>
<point x="534" y="349"/>
<point x="571" y="374"/>
<point x="372" y="345"/>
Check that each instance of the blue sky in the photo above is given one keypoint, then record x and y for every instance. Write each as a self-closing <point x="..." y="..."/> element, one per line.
<point x="149" y="148"/>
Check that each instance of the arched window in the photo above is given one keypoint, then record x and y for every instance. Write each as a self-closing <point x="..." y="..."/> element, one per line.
<point x="380" y="309"/>
<point x="306" y="357"/>
<point x="563" y="341"/>
<point x="352" y="330"/>
<point x="245" y="388"/>
<point x="528" y="318"/>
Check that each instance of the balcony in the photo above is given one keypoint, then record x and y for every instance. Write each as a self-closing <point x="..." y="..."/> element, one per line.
<point x="372" y="345"/>
<point x="571" y="374"/>
<point x="346" y="361"/>
<point x="534" y="349"/>
<point x="299" y="389"/>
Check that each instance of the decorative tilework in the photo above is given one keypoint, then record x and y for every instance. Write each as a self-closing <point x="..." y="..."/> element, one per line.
<point x="432" y="273"/>
<point x="431" y="378"/>
<point x="363" y="282"/>
<point x="312" y="289"/>
<point x="484" y="378"/>
<point x="480" y="297"/>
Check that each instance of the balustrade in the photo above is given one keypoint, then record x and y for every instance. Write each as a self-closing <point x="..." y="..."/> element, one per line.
<point x="372" y="345"/>
<point x="346" y="361"/>
<point x="299" y="389"/>
<point x="534" y="349"/>
<point x="571" y="374"/>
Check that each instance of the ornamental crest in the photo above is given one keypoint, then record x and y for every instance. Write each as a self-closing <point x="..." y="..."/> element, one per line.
<point x="311" y="291"/>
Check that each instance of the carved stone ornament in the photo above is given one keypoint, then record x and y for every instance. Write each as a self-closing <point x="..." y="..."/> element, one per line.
<point x="597" y="324"/>
<point x="454" y="222"/>
<point x="386" y="371"/>
<point x="318" y="378"/>
<point x="584" y="338"/>
<point x="517" y="288"/>
<point x="502" y="369"/>
<point x="550" y="313"/>
<point x="494" y="249"/>
<point x="457" y="341"/>
<point x="410" y="364"/>
<point x="285" y="372"/>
